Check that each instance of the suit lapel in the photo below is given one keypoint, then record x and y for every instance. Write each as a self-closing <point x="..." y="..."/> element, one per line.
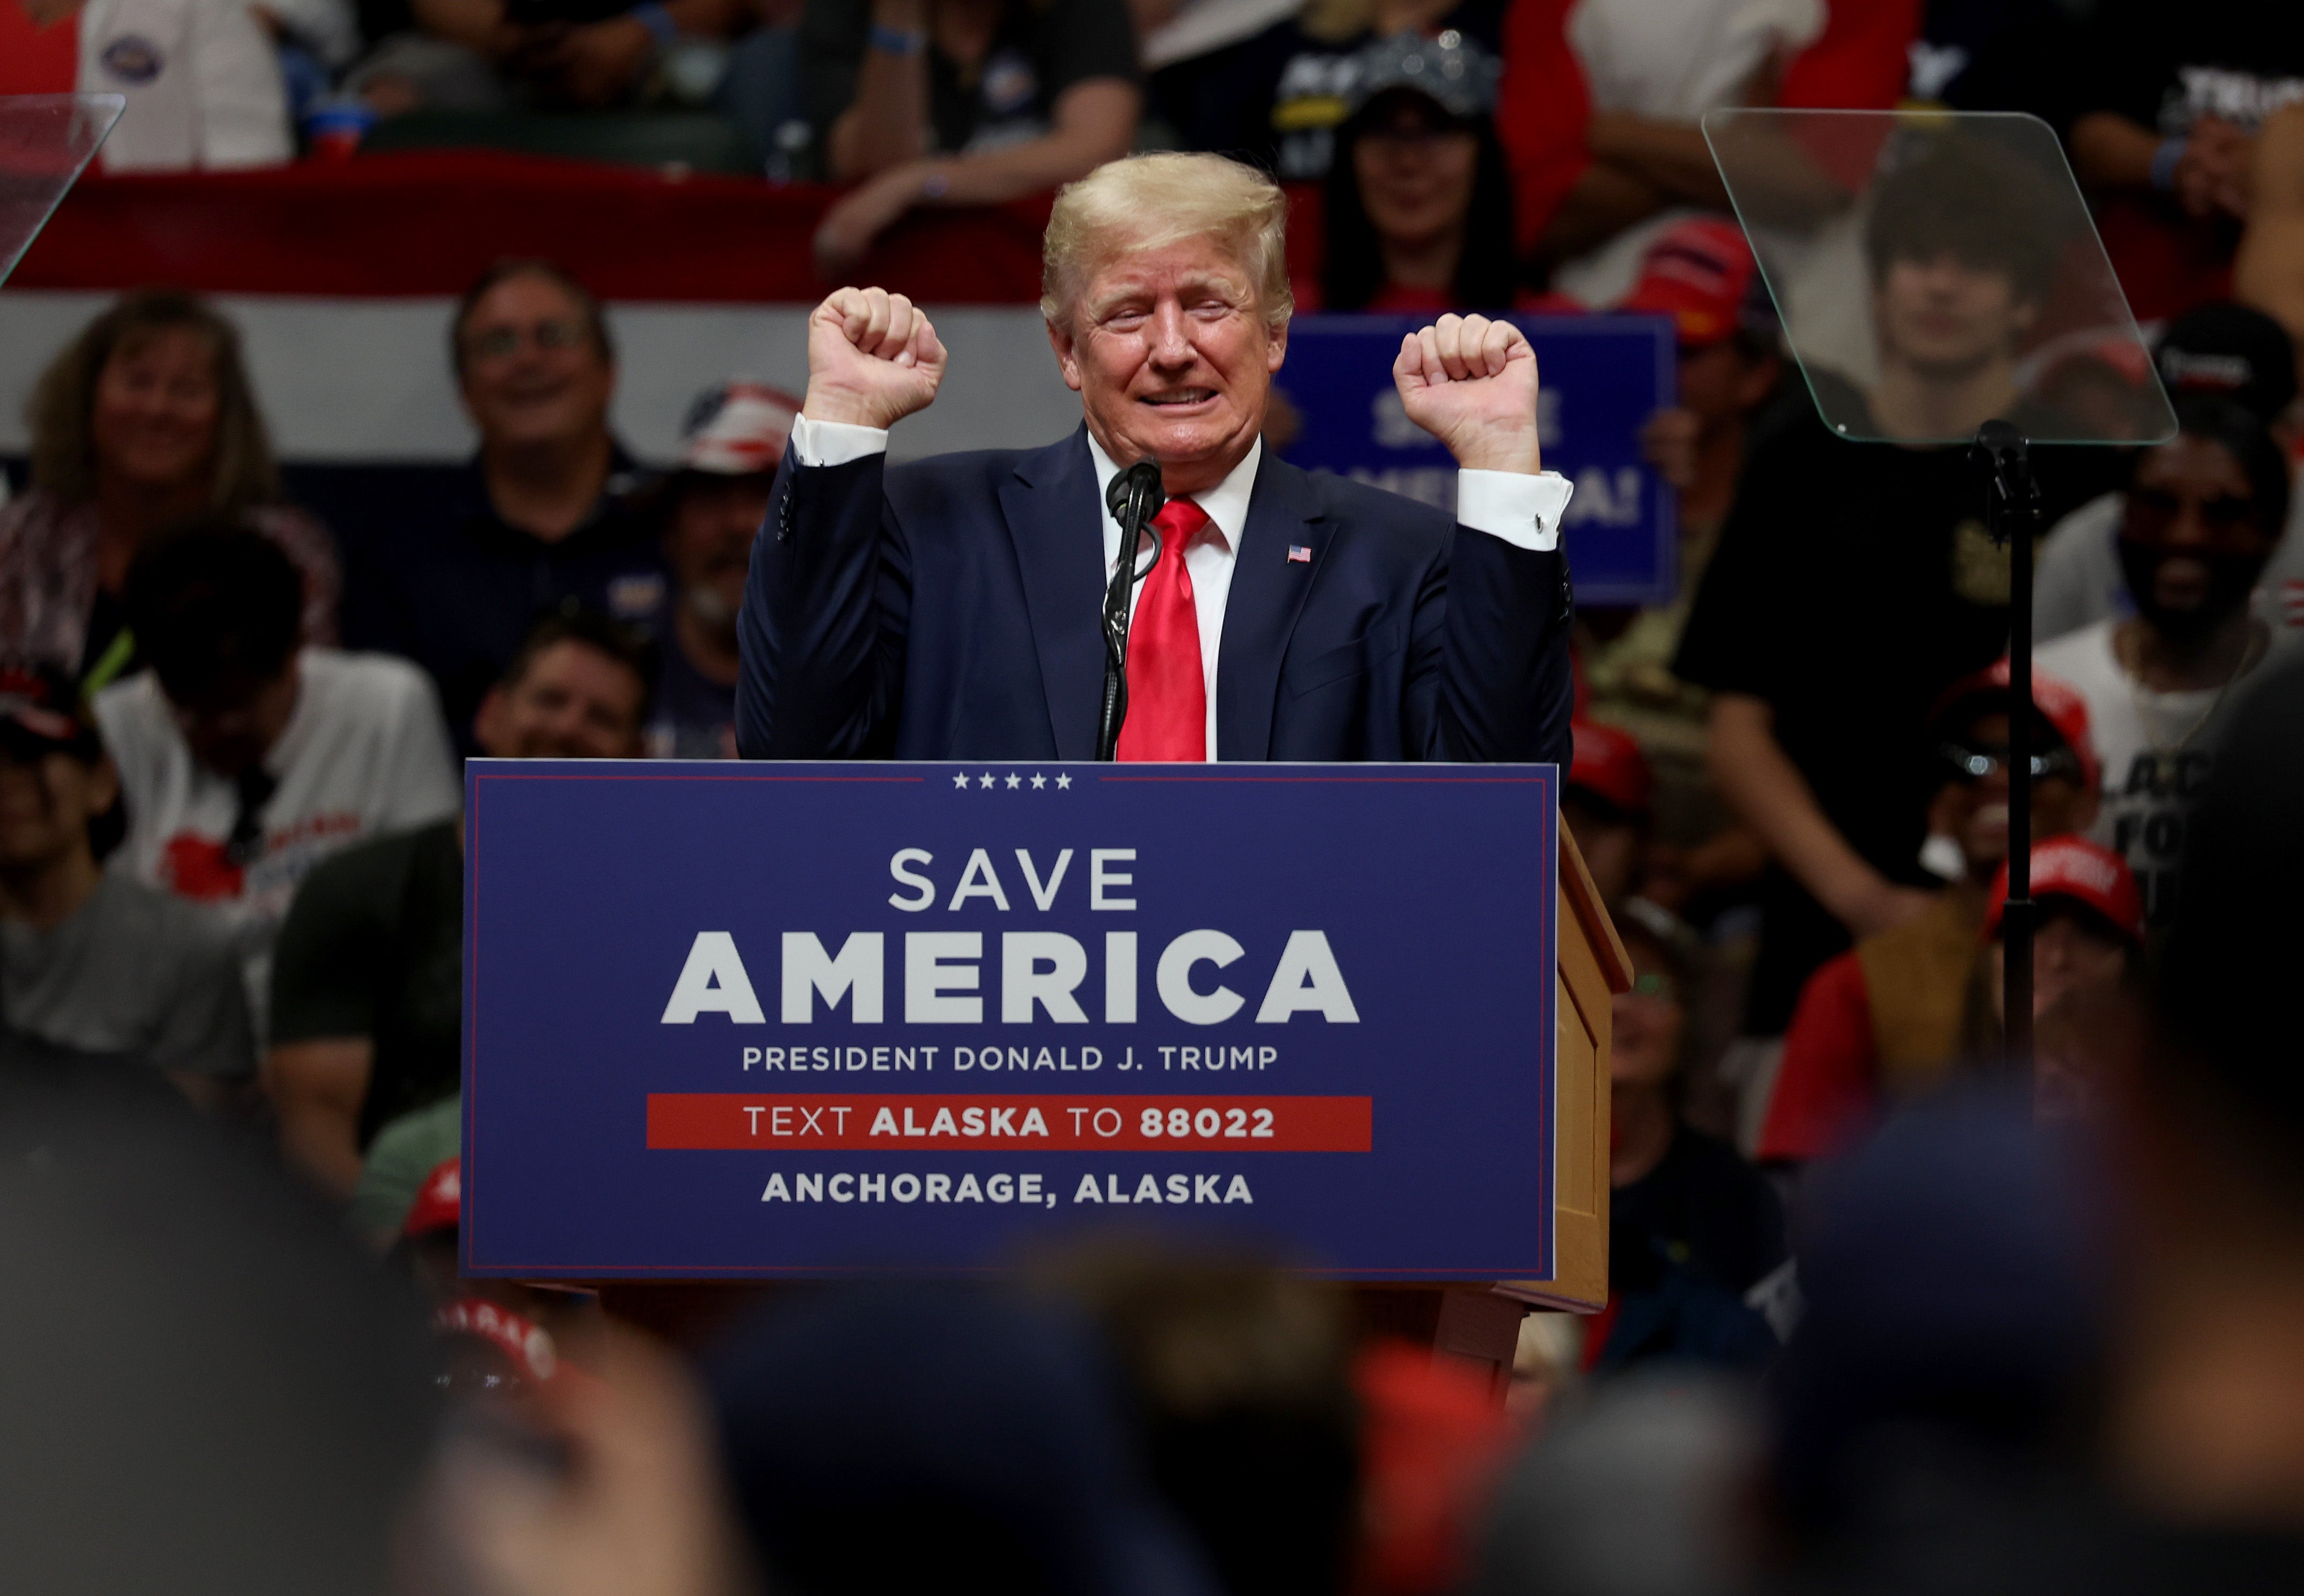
<point x="1268" y="590"/>
<point x="1049" y="504"/>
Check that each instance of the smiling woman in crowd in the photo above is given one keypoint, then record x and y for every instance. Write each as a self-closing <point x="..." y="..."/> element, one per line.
<point x="1418" y="204"/>
<point x="145" y="421"/>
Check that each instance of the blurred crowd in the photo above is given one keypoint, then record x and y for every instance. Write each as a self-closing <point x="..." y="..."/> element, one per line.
<point x="2044" y="1340"/>
<point x="1886" y="1311"/>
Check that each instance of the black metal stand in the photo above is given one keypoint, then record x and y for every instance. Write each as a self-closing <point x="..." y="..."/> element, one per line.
<point x="2011" y="515"/>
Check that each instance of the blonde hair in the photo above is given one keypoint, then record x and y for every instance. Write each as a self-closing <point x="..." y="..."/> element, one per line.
<point x="58" y="414"/>
<point x="1149" y="201"/>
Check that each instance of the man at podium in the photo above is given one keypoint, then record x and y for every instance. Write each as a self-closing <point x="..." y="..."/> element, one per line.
<point x="949" y="608"/>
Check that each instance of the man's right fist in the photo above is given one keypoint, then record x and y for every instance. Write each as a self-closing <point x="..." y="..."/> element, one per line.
<point x="872" y="359"/>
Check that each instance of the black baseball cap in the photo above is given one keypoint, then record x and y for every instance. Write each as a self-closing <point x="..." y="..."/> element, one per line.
<point x="2230" y="350"/>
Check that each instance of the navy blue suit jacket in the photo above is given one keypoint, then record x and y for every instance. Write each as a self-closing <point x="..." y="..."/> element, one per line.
<point x="951" y="608"/>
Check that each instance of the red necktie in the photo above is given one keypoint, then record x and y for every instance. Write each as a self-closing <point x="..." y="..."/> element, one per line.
<point x="1167" y="696"/>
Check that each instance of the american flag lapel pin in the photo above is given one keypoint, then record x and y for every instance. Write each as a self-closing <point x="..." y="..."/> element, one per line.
<point x="1300" y="553"/>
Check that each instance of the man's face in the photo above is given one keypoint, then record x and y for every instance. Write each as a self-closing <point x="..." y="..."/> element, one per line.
<point x="2072" y="954"/>
<point x="708" y="543"/>
<point x="46" y="798"/>
<point x="234" y="724"/>
<point x="532" y="373"/>
<point x="1974" y="811"/>
<point x="1719" y="385"/>
<point x="1948" y="318"/>
<point x="1613" y="845"/>
<point x="152" y="421"/>
<point x="2190" y="537"/>
<point x="573" y="702"/>
<point x="1172" y="360"/>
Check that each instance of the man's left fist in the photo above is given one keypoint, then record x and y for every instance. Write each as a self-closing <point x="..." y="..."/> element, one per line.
<point x="1470" y="383"/>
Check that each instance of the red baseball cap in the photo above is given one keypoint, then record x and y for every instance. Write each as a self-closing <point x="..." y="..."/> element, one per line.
<point x="1610" y="763"/>
<point x="440" y="1204"/>
<point x="2074" y="868"/>
<point x="526" y="1345"/>
<point x="1701" y="274"/>
<point x="40" y="711"/>
<point x="2059" y="702"/>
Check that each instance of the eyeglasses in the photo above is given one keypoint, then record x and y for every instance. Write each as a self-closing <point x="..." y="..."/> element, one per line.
<point x="500" y="343"/>
<point x="1973" y="765"/>
<point x="2151" y="510"/>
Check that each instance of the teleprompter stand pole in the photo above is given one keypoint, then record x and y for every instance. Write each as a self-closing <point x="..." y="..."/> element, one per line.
<point x="2011" y="515"/>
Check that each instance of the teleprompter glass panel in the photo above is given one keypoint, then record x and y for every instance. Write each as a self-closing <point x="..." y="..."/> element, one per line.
<point x="1937" y="270"/>
<point x="46" y="140"/>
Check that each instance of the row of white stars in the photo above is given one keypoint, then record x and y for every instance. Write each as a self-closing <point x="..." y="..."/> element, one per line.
<point x="960" y="780"/>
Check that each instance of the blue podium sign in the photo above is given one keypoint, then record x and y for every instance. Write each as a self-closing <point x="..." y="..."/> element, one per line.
<point x="1603" y="376"/>
<point x="794" y="1019"/>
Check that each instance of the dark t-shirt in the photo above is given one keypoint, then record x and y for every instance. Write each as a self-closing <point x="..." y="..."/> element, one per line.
<point x="1853" y="583"/>
<point x="1686" y="1242"/>
<point x="2163" y="67"/>
<point x="1275" y="99"/>
<point x="1703" y="1209"/>
<point x="1039" y="51"/>
<point x="374" y="947"/>
<point x="443" y="580"/>
<point x="692" y="716"/>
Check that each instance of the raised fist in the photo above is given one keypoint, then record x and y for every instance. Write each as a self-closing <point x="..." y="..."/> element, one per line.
<point x="872" y="359"/>
<point x="1470" y="383"/>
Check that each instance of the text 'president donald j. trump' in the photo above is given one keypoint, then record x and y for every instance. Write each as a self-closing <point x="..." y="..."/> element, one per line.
<point x="952" y="607"/>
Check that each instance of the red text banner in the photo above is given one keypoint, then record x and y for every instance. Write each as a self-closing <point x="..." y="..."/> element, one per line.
<point x="988" y="1122"/>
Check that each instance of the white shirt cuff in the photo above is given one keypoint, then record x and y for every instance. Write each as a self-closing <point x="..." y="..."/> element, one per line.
<point x="836" y="443"/>
<point x="1524" y="510"/>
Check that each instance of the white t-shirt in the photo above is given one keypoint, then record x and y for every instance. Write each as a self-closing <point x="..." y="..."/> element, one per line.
<point x="2157" y="751"/>
<point x="201" y="78"/>
<point x="365" y="752"/>
<point x="1673" y="61"/>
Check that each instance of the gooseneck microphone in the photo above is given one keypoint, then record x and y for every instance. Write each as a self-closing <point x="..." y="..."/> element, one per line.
<point x="1134" y="498"/>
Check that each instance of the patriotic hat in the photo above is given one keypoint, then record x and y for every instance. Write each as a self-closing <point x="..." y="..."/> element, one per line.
<point x="2059" y="702"/>
<point x="440" y="1204"/>
<point x="1610" y="765"/>
<point x="2079" y="871"/>
<point x="737" y="429"/>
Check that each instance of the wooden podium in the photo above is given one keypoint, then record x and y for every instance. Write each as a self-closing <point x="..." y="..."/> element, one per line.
<point x="1593" y="969"/>
<point x="1478" y="1324"/>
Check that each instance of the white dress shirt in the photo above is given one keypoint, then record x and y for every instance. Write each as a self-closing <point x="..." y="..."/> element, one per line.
<point x="1524" y="510"/>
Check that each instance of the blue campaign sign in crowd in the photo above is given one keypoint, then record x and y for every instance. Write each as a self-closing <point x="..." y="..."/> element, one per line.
<point x="1603" y="377"/>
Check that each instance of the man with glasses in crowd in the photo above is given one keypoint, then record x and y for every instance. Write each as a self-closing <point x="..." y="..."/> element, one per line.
<point x="541" y="521"/>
